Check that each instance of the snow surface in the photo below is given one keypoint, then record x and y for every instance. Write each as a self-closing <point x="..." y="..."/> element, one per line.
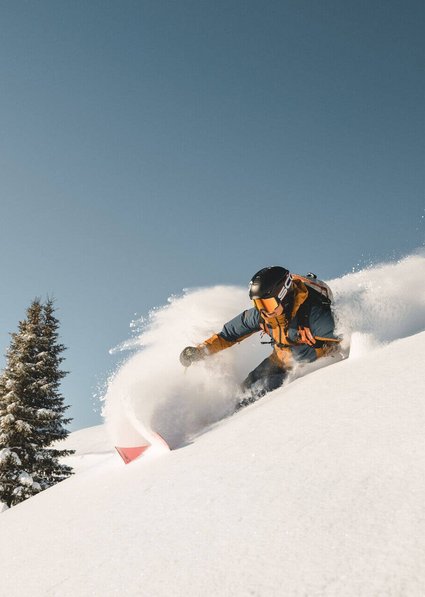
<point x="317" y="489"/>
<point x="92" y="446"/>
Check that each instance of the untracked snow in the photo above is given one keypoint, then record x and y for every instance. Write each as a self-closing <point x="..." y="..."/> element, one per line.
<point x="317" y="489"/>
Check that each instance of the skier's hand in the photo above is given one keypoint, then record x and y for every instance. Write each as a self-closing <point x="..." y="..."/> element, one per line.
<point x="305" y="336"/>
<point x="191" y="354"/>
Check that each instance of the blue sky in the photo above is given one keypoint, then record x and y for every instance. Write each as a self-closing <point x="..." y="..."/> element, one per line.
<point x="151" y="146"/>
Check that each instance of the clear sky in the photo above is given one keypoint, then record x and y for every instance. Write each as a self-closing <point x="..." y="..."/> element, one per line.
<point x="151" y="146"/>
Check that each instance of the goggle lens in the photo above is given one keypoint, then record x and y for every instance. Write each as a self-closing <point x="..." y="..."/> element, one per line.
<point x="268" y="305"/>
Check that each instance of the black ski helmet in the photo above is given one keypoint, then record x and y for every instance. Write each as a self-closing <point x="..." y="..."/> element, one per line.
<point x="270" y="282"/>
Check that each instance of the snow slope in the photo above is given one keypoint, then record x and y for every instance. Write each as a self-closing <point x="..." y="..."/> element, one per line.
<point x="318" y="489"/>
<point x="300" y="494"/>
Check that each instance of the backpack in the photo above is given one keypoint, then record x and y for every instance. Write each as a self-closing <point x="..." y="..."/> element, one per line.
<point x="318" y="286"/>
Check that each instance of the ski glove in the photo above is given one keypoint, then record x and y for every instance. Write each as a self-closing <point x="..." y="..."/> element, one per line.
<point x="191" y="354"/>
<point x="305" y="336"/>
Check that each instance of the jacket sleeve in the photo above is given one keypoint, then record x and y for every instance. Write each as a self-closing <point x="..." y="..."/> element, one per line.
<point x="322" y="324"/>
<point x="235" y="330"/>
<point x="318" y="317"/>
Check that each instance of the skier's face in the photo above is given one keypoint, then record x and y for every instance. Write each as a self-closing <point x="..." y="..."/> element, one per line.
<point x="275" y="313"/>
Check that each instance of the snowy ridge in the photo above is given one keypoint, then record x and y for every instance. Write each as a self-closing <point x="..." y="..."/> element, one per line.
<point x="318" y="489"/>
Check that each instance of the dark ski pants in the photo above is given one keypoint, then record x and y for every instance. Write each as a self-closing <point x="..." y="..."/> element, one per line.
<point x="267" y="376"/>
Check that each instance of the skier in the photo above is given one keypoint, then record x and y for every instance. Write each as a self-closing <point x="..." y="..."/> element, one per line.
<point x="295" y="311"/>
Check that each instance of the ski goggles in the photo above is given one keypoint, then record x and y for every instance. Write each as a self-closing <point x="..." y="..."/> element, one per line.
<point x="267" y="304"/>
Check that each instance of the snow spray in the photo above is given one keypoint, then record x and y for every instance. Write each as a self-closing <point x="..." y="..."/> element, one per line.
<point x="152" y="391"/>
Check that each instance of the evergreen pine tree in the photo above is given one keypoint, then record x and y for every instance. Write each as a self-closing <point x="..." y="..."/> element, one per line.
<point x="32" y="408"/>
